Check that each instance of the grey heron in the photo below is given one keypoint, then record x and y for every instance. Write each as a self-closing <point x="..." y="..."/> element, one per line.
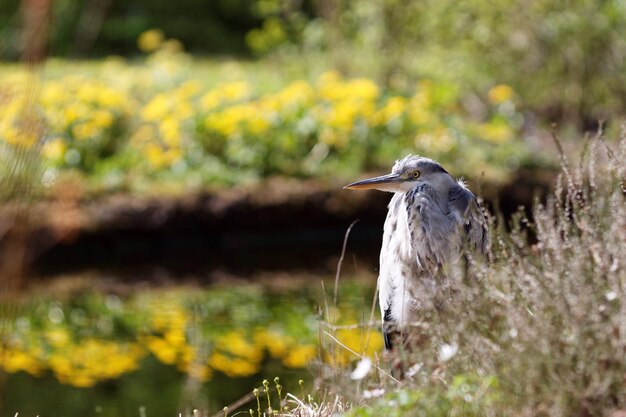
<point x="431" y="219"/>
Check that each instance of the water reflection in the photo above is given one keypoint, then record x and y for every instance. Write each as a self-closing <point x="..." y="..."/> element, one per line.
<point x="223" y="339"/>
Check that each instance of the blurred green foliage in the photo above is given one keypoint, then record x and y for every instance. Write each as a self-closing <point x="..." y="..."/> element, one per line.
<point x="466" y="395"/>
<point x="565" y="58"/>
<point x="104" y="27"/>
<point x="124" y="125"/>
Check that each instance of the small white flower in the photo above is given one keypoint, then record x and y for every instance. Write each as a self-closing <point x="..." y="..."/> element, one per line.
<point x="413" y="370"/>
<point x="362" y="369"/>
<point x="446" y="352"/>
<point x="610" y="296"/>
<point x="513" y="333"/>
<point x="375" y="393"/>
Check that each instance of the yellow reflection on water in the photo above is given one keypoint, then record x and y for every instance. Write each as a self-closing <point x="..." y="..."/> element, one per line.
<point x="73" y="344"/>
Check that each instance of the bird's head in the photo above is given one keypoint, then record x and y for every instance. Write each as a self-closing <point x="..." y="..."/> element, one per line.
<point x="407" y="173"/>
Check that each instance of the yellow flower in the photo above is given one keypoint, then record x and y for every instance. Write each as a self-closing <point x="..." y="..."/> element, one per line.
<point x="82" y="381"/>
<point x="60" y="364"/>
<point x="155" y="155"/>
<point x="172" y="155"/>
<point x="102" y="118"/>
<point x="210" y="100"/>
<point x="225" y="93"/>
<point x="167" y="314"/>
<point x="236" y="344"/>
<point x="235" y="90"/>
<point x="291" y="98"/>
<point x="243" y="367"/>
<point x="91" y="360"/>
<point x="53" y="93"/>
<point x="228" y="120"/>
<point x="170" y="131"/>
<point x="173" y="46"/>
<point x="363" y="88"/>
<point x="364" y="342"/>
<point x="87" y="91"/>
<point x="150" y="40"/>
<point x="58" y="337"/>
<point x="187" y="90"/>
<point x="82" y="131"/>
<point x="73" y="112"/>
<point x="220" y="362"/>
<point x="333" y="88"/>
<point x="500" y="93"/>
<point x="175" y="337"/>
<point x="183" y="110"/>
<point x="162" y="350"/>
<point x="233" y="367"/>
<point x="394" y="108"/>
<point x="187" y="356"/>
<point x="299" y="356"/>
<point x="156" y="108"/>
<point x="274" y="342"/>
<point x="496" y="132"/>
<point x="258" y="124"/>
<point x="108" y="97"/>
<point x="14" y="360"/>
<point x="20" y="138"/>
<point x="342" y="116"/>
<point x="160" y="157"/>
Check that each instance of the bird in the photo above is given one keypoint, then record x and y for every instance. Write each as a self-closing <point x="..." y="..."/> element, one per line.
<point x="432" y="218"/>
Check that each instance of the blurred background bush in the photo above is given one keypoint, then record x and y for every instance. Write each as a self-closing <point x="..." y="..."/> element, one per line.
<point x="565" y="59"/>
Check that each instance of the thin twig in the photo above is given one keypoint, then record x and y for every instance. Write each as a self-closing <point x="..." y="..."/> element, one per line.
<point x="343" y="252"/>
<point x="387" y="374"/>
<point x="370" y="324"/>
<point x="371" y="319"/>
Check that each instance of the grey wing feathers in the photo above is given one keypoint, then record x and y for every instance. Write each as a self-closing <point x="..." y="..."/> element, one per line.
<point x="429" y="227"/>
<point x="465" y="208"/>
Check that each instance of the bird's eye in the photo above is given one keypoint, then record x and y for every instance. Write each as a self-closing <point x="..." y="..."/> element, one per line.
<point x="415" y="174"/>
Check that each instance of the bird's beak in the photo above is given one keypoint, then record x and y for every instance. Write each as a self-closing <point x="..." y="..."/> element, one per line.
<point x="383" y="183"/>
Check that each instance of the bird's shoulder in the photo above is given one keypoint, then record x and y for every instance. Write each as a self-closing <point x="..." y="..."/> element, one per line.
<point x="464" y="207"/>
<point x="461" y="199"/>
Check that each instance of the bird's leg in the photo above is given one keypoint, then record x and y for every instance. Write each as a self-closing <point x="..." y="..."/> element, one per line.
<point x="389" y="329"/>
<point x="403" y="343"/>
<point x="393" y="353"/>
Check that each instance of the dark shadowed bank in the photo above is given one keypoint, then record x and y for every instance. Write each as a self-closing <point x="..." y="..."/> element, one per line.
<point x="305" y="221"/>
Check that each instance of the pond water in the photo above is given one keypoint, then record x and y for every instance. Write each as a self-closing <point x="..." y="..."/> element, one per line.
<point x="76" y="347"/>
